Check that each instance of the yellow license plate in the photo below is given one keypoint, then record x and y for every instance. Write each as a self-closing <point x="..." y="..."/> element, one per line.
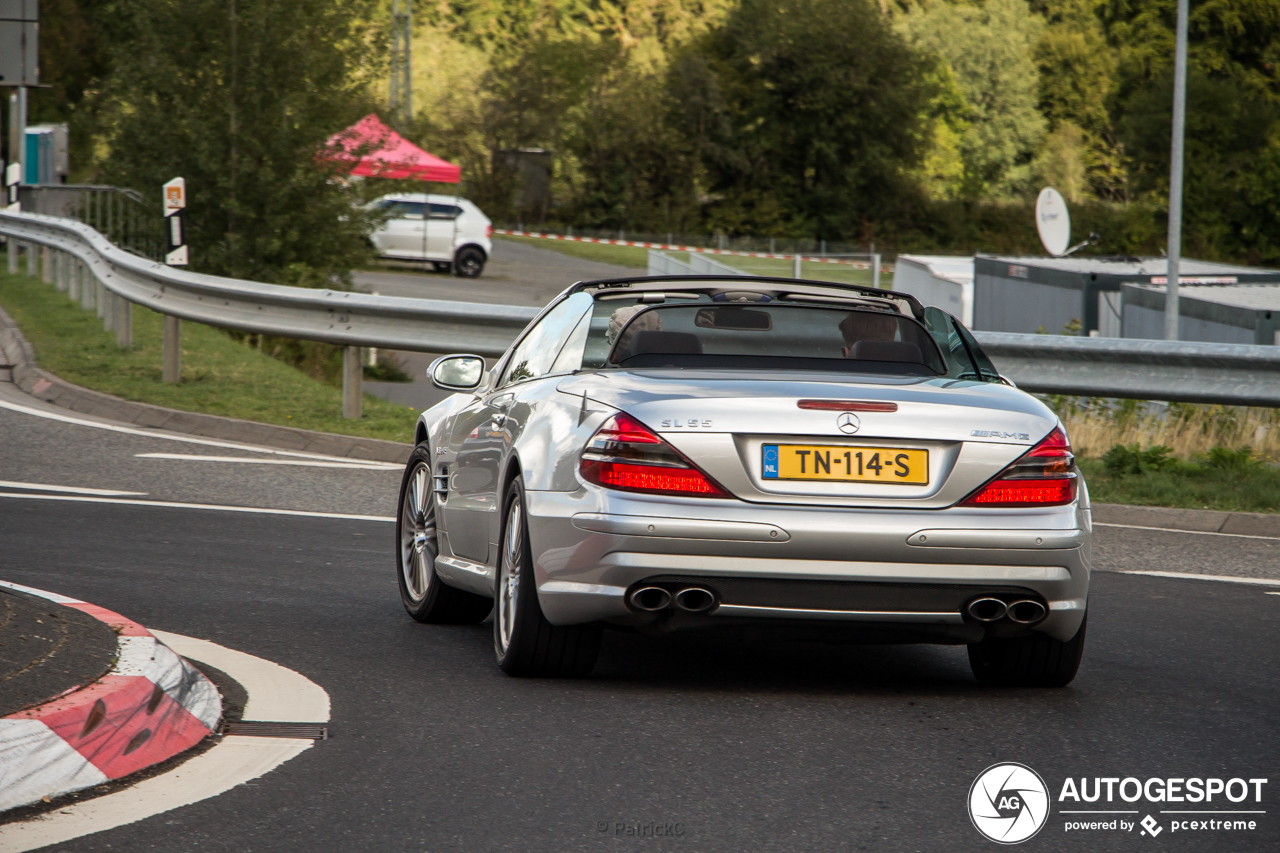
<point x="845" y="464"/>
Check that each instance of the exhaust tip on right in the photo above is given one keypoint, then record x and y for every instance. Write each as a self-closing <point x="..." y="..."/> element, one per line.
<point x="650" y="598"/>
<point x="695" y="599"/>
<point x="987" y="609"/>
<point x="1026" y="612"/>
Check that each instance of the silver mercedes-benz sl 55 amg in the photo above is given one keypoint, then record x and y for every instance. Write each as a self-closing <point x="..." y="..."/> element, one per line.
<point x="754" y="454"/>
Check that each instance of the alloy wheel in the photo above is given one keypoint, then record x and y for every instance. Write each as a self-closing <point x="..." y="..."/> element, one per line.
<point x="418" y="534"/>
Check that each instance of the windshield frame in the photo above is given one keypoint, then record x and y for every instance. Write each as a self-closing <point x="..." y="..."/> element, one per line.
<point x="778" y="362"/>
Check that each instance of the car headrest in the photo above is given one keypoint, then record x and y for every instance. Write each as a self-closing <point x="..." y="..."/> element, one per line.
<point x="900" y="351"/>
<point x="666" y="343"/>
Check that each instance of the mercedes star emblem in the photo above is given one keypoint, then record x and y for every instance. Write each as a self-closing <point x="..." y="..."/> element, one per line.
<point x="848" y="423"/>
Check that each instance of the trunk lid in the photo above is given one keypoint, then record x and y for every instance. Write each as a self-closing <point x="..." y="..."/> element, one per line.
<point x="726" y="422"/>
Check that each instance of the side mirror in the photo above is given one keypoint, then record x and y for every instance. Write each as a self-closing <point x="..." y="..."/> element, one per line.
<point x="1007" y="381"/>
<point x="457" y="372"/>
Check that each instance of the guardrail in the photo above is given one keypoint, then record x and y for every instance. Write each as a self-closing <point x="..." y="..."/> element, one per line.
<point x="107" y="278"/>
<point x="1177" y="371"/>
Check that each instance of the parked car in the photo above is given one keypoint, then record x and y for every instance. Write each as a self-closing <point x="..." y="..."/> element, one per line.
<point x="451" y="233"/>
<point x="688" y="453"/>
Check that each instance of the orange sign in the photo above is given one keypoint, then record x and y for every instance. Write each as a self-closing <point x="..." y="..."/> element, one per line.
<point x="175" y="196"/>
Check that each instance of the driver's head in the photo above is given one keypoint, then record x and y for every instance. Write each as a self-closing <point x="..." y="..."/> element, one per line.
<point x="867" y="326"/>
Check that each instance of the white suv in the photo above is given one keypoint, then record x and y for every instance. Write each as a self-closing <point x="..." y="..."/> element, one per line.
<point x="449" y="232"/>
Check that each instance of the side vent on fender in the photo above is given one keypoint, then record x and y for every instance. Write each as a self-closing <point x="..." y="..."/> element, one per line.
<point x="441" y="484"/>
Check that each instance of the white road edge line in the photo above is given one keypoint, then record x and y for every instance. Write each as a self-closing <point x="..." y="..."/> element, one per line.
<point x="272" y="689"/>
<point x="219" y="507"/>
<point x="314" y="463"/>
<point x="1227" y="578"/>
<point x="1194" y="532"/>
<point x="167" y="436"/>
<point x="74" y="490"/>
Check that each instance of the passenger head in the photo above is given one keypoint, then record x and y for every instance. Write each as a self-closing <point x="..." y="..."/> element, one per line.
<point x="867" y="326"/>
<point x="649" y="322"/>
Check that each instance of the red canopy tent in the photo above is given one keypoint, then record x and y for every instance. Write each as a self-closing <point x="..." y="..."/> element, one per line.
<point x="387" y="154"/>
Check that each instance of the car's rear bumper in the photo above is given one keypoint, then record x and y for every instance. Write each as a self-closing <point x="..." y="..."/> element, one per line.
<point x="882" y="569"/>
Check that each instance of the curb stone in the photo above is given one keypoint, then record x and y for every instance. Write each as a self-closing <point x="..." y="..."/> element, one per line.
<point x="149" y="707"/>
<point x="1194" y="520"/>
<point x="18" y="366"/>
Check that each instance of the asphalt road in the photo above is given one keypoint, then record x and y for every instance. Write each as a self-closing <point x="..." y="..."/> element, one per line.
<point x="771" y="747"/>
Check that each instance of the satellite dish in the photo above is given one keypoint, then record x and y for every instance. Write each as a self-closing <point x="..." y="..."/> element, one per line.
<point x="1053" y="222"/>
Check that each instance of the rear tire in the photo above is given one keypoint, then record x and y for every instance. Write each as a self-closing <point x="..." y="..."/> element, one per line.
<point x="1035" y="661"/>
<point x="469" y="262"/>
<point x="425" y="597"/>
<point x="525" y="643"/>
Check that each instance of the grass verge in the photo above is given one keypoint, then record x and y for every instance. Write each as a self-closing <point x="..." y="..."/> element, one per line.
<point x="1255" y="488"/>
<point x="219" y="375"/>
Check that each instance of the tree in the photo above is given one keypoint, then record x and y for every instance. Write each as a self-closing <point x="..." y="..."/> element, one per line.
<point x="822" y="101"/>
<point x="987" y="49"/>
<point x="239" y="97"/>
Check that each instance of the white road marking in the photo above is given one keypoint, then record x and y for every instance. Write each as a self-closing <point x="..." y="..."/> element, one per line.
<point x="1273" y="593"/>
<point x="1227" y="578"/>
<point x="167" y="436"/>
<point x="74" y="490"/>
<point x="1194" y="532"/>
<point x="276" y="694"/>
<point x="236" y="759"/>
<point x="314" y="463"/>
<point x="219" y="507"/>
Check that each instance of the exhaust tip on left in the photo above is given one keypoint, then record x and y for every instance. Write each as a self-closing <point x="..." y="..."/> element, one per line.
<point x="650" y="598"/>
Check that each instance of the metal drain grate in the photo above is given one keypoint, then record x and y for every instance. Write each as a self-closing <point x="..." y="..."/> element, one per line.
<point x="250" y="728"/>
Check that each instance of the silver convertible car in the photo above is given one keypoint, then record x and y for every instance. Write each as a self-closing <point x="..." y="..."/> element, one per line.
<point x="756" y="454"/>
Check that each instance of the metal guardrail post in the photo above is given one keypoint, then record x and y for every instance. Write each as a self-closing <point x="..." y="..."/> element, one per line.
<point x="795" y="266"/>
<point x="875" y="270"/>
<point x="29" y="249"/>
<point x="13" y="255"/>
<point x="101" y="300"/>
<point x="352" y="383"/>
<point x="123" y="322"/>
<point x="87" y="289"/>
<point x="171" y="370"/>
<point x="46" y="268"/>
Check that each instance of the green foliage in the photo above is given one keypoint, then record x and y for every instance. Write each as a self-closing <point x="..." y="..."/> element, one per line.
<point x="239" y="100"/>
<point x="1192" y="487"/>
<point x="988" y="49"/>
<point x="821" y="116"/>
<point x="1229" y="459"/>
<point x="1121" y="460"/>
<point x="220" y="376"/>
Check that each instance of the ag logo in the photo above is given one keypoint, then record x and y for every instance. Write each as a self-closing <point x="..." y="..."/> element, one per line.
<point x="1008" y="803"/>
<point x="848" y="423"/>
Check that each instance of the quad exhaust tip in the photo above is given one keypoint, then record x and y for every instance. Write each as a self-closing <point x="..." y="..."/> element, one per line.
<point x="695" y="599"/>
<point x="988" y="609"/>
<point x="1026" y="612"/>
<point x="650" y="598"/>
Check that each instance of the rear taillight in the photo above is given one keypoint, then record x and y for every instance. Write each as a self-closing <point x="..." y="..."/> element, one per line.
<point x="488" y="231"/>
<point x="1043" y="476"/>
<point x="625" y="454"/>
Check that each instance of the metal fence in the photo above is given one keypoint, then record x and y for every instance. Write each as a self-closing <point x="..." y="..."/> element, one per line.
<point x="120" y="215"/>
<point x="107" y="279"/>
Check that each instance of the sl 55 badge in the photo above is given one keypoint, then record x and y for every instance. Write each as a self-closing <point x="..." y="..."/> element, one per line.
<point x="686" y="423"/>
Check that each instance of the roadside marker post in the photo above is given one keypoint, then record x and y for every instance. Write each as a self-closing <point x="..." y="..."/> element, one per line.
<point x="175" y="235"/>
